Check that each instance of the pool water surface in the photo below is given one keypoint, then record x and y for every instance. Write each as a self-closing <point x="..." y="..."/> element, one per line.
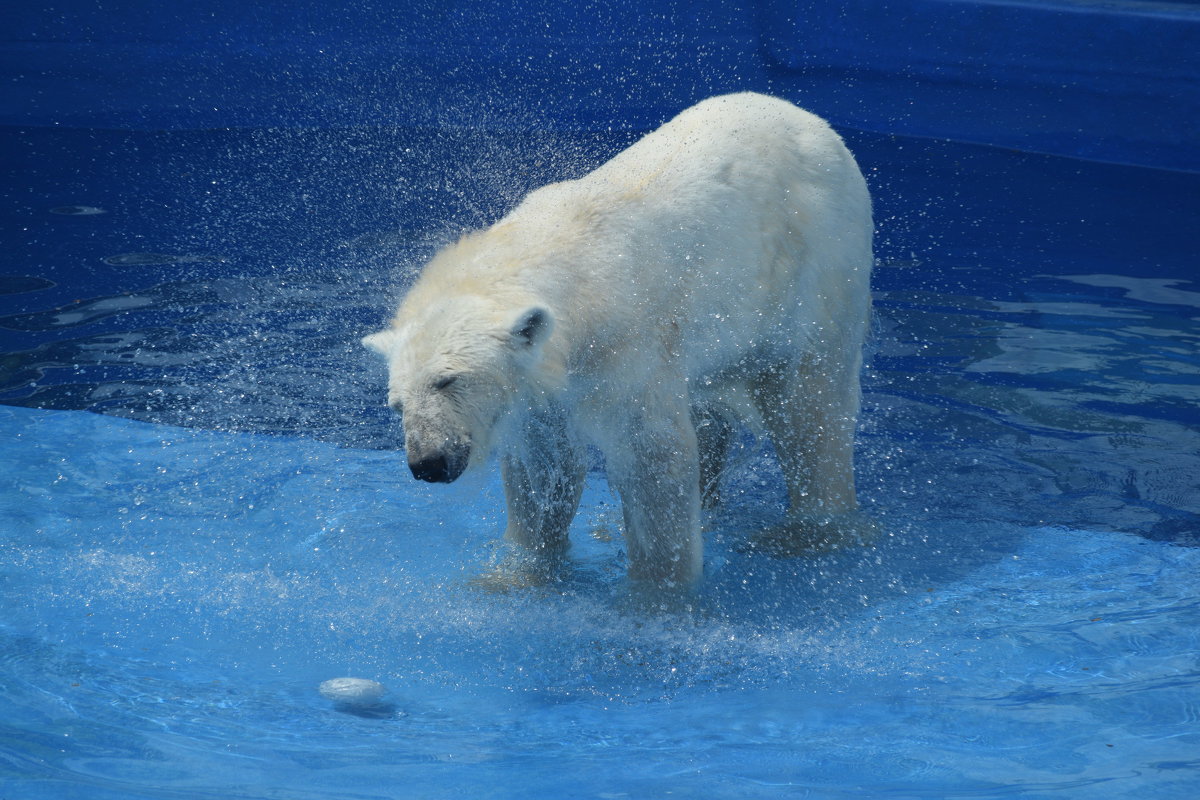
<point x="205" y="514"/>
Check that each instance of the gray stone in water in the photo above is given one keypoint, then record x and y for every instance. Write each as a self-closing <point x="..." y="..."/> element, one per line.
<point x="353" y="692"/>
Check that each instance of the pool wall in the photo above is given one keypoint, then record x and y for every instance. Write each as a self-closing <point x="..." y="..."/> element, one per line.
<point x="1110" y="81"/>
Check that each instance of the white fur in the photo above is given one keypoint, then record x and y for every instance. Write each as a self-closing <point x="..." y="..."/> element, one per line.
<point x="717" y="269"/>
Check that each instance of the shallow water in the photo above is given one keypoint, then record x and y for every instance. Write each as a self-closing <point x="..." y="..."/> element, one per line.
<point x="181" y="572"/>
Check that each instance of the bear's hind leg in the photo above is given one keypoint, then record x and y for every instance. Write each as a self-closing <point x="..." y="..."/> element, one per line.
<point x="809" y="412"/>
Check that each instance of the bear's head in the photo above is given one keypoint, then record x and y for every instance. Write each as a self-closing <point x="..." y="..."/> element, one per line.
<point x="457" y="367"/>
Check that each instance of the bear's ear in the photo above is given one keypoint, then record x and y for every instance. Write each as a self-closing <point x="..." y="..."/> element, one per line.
<point x="380" y="342"/>
<point x="532" y="328"/>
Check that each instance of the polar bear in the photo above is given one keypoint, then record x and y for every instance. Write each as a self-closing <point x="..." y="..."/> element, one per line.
<point x="717" y="271"/>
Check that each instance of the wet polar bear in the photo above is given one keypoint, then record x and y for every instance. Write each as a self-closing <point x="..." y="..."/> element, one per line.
<point x="716" y="271"/>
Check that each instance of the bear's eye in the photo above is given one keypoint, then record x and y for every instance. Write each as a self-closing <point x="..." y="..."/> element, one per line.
<point x="444" y="382"/>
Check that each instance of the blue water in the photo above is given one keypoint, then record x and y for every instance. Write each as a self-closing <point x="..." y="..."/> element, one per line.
<point x="181" y="570"/>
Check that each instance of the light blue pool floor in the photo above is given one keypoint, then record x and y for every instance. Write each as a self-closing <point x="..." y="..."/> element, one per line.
<point x="172" y="596"/>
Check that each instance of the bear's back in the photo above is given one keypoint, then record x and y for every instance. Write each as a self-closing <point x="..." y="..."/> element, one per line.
<point x="736" y="139"/>
<point x="742" y="220"/>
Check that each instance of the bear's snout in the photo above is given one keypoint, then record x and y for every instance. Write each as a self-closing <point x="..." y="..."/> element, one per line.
<point x="435" y="469"/>
<point x="441" y="466"/>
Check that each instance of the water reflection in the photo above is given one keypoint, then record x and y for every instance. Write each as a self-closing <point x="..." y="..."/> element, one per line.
<point x="1078" y="409"/>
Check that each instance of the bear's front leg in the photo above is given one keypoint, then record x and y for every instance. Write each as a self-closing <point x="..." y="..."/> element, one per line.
<point x="543" y="474"/>
<point x="653" y="464"/>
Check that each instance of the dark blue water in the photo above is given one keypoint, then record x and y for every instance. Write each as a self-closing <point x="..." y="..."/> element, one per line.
<point x="181" y="570"/>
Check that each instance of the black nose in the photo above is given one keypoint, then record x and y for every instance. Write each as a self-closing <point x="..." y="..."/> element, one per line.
<point x="434" y="469"/>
